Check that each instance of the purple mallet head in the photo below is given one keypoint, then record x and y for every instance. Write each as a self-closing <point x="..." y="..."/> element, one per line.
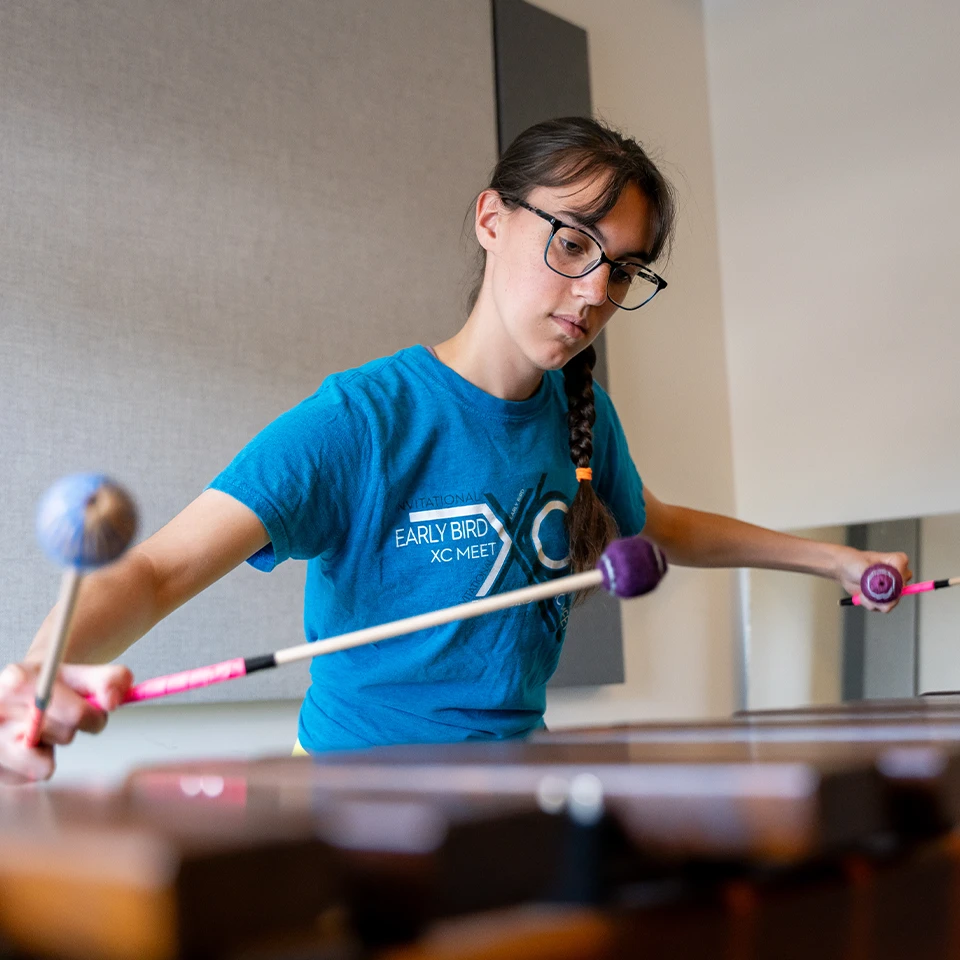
<point x="631" y="567"/>
<point x="881" y="583"/>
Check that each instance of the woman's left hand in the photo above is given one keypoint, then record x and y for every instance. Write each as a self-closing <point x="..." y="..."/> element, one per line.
<point x="853" y="563"/>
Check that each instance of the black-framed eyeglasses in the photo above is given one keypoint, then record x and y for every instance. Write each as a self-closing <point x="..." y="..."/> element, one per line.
<point x="573" y="253"/>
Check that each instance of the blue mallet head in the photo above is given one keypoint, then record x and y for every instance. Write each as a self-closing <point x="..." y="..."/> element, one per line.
<point x="631" y="567"/>
<point x="85" y="521"/>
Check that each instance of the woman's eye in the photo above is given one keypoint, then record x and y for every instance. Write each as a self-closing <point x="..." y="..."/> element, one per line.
<point x="571" y="246"/>
<point x="620" y="276"/>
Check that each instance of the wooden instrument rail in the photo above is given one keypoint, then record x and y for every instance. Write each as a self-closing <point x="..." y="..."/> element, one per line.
<point x="814" y="833"/>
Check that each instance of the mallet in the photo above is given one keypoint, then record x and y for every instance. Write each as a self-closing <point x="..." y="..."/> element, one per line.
<point x="627" y="568"/>
<point x="883" y="584"/>
<point x="84" y="521"/>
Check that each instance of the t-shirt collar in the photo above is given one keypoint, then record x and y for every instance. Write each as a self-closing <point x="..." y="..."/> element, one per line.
<point x="484" y="403"/>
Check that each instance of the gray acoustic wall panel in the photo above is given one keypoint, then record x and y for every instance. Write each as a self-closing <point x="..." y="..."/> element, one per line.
<point x="890" y="642"/>
<point x="543" y="72"/>
<point x="207" y="208"/>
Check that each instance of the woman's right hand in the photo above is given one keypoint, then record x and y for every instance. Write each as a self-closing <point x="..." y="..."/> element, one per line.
<point x="118" y="605"/>
<point x="68" y="711"/>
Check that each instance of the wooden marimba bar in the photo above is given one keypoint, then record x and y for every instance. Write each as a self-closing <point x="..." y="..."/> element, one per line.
<point x="813" y="833"/>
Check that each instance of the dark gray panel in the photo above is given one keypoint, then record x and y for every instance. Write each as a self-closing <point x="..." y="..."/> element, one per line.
<point x="543" y="72"/>
<point x="853" y="631"/>
<point x="593" y="649"/>
<point x="880" y="652"/>
<point x="890" y="641"/>
<point x="542" y="68"/>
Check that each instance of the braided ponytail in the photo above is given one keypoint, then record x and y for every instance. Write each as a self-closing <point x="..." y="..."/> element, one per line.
<point x="590" y="525"/>
<point x="563" y="153"/>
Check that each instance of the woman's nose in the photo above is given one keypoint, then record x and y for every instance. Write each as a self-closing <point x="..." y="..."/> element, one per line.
<point x="593" y="286"/>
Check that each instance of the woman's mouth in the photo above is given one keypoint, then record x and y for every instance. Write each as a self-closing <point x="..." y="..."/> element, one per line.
<point x="573" y="326"/>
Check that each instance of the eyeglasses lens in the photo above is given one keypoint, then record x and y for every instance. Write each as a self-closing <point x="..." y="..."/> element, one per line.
<point x="574" y="254"/>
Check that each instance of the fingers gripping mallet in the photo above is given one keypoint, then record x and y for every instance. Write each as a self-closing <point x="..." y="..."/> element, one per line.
<point x="84" y="521"/>
<point x="627" y="568"/>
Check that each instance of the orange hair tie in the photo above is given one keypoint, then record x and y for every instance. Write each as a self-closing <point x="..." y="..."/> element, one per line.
<point x="584" y="473"/>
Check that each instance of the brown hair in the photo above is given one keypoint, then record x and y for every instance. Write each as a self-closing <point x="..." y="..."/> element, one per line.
<point x="560" y="153"/>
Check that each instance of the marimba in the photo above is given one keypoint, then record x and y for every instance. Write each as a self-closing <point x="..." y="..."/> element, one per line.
<point x="811" y="833"/>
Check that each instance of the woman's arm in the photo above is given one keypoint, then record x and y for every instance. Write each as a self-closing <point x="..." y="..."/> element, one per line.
<point x="693" y="538"/>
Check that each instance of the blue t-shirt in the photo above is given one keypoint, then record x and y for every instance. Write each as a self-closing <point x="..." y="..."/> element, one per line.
<point x="407" y="489"/>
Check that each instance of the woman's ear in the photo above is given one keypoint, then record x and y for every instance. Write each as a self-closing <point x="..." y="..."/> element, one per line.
<point x="487" y="220"/>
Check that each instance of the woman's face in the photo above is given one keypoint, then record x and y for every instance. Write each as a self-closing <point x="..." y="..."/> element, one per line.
<point x="550" y="318"/>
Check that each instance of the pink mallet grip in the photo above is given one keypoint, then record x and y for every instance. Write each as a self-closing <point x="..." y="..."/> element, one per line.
<point x="909" y="588"/>
<point x="178" y="682"/>
<point x="186" y="680"/>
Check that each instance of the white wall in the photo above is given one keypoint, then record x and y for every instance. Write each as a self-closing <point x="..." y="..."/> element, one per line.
<point x="667" y="366"/>
<point x="836" y="132"/>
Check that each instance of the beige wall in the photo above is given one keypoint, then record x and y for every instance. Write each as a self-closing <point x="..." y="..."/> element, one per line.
<point x="667" y="365"/>
<point x="795" y="635"/>
<point x="836" y="137"/>
<point x="822" y="375"/>
<point x="836" y="133"/>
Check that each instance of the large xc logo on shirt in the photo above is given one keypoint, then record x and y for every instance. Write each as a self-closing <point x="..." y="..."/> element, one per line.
<point x="533" y="550"/>
<point x="531" y="540"/>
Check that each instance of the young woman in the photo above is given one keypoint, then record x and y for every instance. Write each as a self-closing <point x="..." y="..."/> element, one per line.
<point x="440" y="475"/>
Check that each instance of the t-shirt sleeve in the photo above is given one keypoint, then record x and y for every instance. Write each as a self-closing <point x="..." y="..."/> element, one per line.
<point x="299" y="476"/>
<point x="615" y="475"/>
